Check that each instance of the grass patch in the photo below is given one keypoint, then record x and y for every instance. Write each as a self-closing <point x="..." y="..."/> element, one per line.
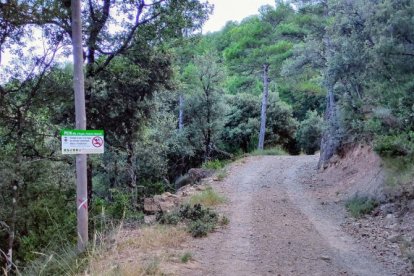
<point x="270" y="151"/>
<point x="67" y="261"/>
<point x="150" y="267"/>
<point x="157" y="236"/>
<point x="359" y="206"/>
<point x="221" y="174"/>
<point x="224" y="221"/>
<point x="186" y="257"/>
<point x="207" y="198"/>
<point x="214" y="164"/>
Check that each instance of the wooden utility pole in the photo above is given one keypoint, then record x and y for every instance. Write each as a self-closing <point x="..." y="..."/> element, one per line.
<point x="81" y="159"/>
<point x="264" y="106"/>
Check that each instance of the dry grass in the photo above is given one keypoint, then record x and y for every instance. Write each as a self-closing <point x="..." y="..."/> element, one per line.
<point x="143" y="251"/>
<point x="155" y="237"/>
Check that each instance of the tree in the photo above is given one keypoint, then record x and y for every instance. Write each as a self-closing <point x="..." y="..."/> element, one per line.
<point x="263" y="41"/>
<point x="309" y="132"/>
<point x="20" y="90"/>
<point x="204" y="109"/>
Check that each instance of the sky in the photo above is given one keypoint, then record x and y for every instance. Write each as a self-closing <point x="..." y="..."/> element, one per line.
<point x="235" y="10"/>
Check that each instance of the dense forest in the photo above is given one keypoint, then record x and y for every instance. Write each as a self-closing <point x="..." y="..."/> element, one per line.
<point x="298" y="75"/>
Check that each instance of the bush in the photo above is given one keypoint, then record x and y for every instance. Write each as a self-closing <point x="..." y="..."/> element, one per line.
<point x="199" y="220"/>
<point x="359" y="206"/>
<point x="200" y="228"/>
<point x="186" y="257"/>
<point x="397" y="145"/>
<point x="310" y="132"/>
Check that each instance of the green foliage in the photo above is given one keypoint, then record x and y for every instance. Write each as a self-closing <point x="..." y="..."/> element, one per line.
<point x="360" y="205"/>
<point x="243" y="119"/>
<point x="214" y="164"/>
<point x="398" y="145"/>
<point x="116" y="209"/>
<point x="242" y="122"/>
<point x="309" y="132"/>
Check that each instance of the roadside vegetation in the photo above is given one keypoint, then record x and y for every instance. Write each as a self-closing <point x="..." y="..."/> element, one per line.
<point x="359" y="206"/>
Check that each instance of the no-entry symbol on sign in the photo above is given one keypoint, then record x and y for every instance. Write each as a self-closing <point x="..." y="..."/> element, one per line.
<point x="97" y="142"/>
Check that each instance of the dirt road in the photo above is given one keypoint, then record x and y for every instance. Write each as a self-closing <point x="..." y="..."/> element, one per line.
<point x="277" y="227"/>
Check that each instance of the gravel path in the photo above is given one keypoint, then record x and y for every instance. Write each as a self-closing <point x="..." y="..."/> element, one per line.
<point x="277" y="227"/>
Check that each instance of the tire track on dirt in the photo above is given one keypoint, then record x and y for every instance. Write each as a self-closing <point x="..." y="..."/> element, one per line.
<point x="276" y="228"/>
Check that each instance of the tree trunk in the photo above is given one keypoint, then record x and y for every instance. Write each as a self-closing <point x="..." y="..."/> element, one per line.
<point x="15" y="185"/>
<point x="264" y="106"/>
<point x="133" y="175"/>
<point x="331" y="136"/>
<point x="181" y="113"/>
<point x="207" y="141"/>
<point x="81" y="159"/>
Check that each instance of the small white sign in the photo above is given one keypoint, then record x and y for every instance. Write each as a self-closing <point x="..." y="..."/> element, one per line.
<point x="82" y="141"/>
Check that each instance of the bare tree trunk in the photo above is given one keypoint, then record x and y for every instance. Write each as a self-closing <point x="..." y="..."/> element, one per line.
<point x="81" y="159"/>
<point x="16" y="184"/>
<point x="264" y="106"/>
<point x="331" y="136"/>
<point x="181" y="113"/>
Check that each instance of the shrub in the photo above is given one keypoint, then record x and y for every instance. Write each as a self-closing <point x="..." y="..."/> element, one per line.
<point x="397" y="145"/>
<point x="169" y="218"/>
<point x="186" y="257"/>
<point x="359" y="206"/>
<point x="310" y="132"/>
<point x="200" y="228"/>
<point x="199" y="220"/>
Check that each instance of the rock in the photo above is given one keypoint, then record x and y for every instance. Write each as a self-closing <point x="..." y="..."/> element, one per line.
<point x="151" y="206"/>
<point x="390" y="219"/>
<point x="165" y="203"/>
<point x="196" y="174"/>
<point x="150" y="219"/>
<point x="201" y="187"/>
<point x="325" y="258"/>
<point x="167" y="206"/>
<point x="185" y="191"/>
<point x="394" y="237"/>
<point x="388" y="208"/>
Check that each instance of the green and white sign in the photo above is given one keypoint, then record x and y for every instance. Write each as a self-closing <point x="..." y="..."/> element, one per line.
<point x="77" y="141"/>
